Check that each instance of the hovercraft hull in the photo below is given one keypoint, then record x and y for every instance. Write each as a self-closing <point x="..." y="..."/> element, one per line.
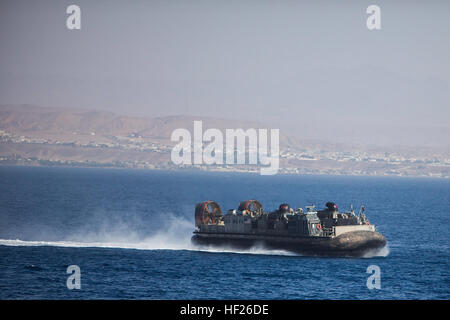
<point x="353" y="244"/>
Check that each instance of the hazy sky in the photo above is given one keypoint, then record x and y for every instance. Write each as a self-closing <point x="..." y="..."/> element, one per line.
<point x="310" y="66"/>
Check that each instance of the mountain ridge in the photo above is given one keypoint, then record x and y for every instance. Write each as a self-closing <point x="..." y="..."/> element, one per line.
<point x="62" y="136"/>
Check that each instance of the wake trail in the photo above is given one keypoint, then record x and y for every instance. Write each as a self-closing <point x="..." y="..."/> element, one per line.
<point x="153" y="244"/>
<point x="143" y="245"/>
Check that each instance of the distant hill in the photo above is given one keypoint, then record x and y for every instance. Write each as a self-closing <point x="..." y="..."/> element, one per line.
<point x="61" y="136"/>
<point x="59" y="122"/>
<point x="62" y="122"/>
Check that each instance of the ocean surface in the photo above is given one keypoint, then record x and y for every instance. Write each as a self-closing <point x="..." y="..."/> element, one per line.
<point x="129" y="232"/>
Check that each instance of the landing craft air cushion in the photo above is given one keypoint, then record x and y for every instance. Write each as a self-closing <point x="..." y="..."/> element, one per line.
<point x="314" y="232"/>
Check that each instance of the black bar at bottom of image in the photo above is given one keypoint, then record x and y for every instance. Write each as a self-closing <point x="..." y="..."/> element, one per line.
<point x="222" y="309"/>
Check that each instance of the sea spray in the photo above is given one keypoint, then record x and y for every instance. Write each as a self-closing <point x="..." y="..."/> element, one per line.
<point x="175" y="234"/>
<point x="380" y="252"/>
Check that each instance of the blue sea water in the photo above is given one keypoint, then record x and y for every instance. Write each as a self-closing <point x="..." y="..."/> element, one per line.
<point x="129" y="232"/>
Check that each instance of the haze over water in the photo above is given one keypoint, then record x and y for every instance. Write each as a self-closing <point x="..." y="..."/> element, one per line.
<point x="311" y="66"/>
